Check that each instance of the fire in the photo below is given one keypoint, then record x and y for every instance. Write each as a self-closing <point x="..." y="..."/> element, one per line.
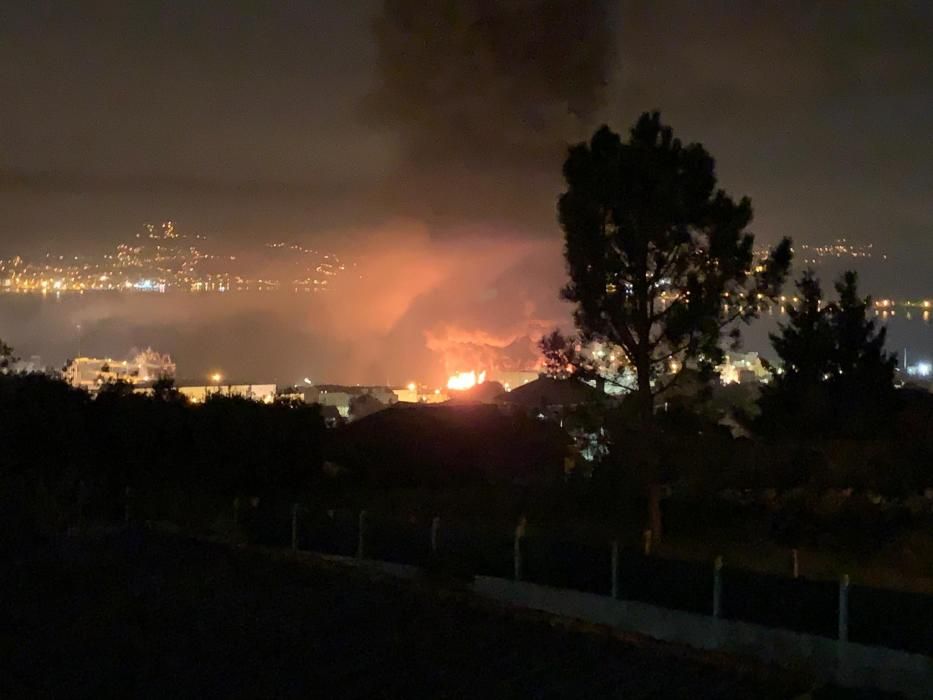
<point x="465" y="380"/>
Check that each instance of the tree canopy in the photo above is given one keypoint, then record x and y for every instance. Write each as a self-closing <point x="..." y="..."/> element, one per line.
<point x="805" y="342"/>
<point x="660" y="260"/>
<point x="836" y="376"/>
<point x="863" y="366"/>
<point x="561" y="359"/>
<point x="7" y="357"/>
<point x="365" y="405"/>
<point x="164" y="389"/>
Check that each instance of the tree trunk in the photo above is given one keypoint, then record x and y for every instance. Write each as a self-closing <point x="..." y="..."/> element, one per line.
<point x="655" y="521"/>
<point x="650" y="467"/>
<point x="645" y="397"/>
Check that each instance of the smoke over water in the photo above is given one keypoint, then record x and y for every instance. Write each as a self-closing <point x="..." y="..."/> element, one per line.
<point x="415" y="308"/>
<point x="462" y="266"/>
<point x="483" y="97"/>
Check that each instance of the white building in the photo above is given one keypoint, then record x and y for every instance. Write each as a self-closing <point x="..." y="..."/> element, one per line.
<point x="340" y="396"/>
<point x="90" y="372"/>
<point x="413" y="393"/>
<point x="264" y="393"/>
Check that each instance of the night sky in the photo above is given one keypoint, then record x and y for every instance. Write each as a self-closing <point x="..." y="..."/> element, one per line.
<point x="116" y="112"/>
<point x="334" y="121"/>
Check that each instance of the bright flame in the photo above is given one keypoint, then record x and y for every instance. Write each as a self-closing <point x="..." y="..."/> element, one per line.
<point x="466" y="380"/>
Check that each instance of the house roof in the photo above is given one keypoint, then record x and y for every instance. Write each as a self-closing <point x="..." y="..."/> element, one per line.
<point x="545" y="391"/>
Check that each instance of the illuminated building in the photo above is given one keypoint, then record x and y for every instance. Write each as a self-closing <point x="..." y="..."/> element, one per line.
<point x="90" y="373"/>
<point x="338" y="399"/>
<point x="153" y="365"/>
<point x="743" y="368"/>
<point x="340" y="396"/>
<point x="264" y="393"/>
<point x="413" y="393"/>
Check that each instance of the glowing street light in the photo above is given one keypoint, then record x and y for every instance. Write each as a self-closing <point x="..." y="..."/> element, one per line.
<point x="216" y="377"/>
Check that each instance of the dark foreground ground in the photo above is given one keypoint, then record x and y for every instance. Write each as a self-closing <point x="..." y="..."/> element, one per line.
<point x="139" y="614"/>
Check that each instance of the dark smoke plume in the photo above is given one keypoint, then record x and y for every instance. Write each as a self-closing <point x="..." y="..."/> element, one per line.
<point x="484" y="96"/>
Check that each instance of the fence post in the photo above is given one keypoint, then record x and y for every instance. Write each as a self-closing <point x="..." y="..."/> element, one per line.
<point x="717" y="587"/>
<point x="517" y="548"/>
<point x="435" y="526"/>
<point x="796" y="563"/>
<point x="295" y="527"/>
<point x="647" y="536"/>
<point x="615" y="569"/>
<point x="844" y="608"/>
<point x="360" y="548"/>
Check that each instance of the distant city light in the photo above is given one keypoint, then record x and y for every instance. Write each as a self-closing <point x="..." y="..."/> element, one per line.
<point x="169" y="261"/>
<point x="921" y="369"/>
<point x="216" y="377"/>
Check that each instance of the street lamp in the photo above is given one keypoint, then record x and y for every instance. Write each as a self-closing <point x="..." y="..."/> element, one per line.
<point x="215" y="379"/>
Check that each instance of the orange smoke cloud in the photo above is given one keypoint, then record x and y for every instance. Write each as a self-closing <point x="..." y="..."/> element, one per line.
<point x="472" y="303"/>
<point x="407" y="307"/>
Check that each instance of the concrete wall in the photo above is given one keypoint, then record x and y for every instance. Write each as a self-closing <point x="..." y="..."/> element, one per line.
<point x="847" y="664"/>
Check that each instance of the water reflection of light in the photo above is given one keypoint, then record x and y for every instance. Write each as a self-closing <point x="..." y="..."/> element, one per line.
<point x="890" y="314"/>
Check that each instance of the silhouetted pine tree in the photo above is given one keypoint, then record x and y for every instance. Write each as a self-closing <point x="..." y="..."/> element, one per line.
<point x="863" y="379"/>
<point x="659" y="257"/>
<point x="836" y="377"/>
